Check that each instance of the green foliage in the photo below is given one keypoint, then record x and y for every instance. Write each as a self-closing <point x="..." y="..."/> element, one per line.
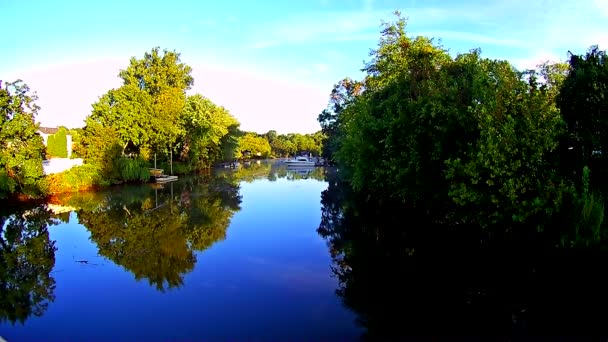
<point x="257" y="146"/>
<point x="133" y="170"/>
<point x="584" y="106"/>
<point x="76" y="134"/>
<point x="179" y="168"/>
<point x="589" y="215"/>
<point x="101" y="147"/>
<point x="210" y="129"/>
<point x="465" y="140"/>
<point x="77" y="178"/>
<point x="150" y="116"/>
<point x="230" y="144"/>
<point x="507" y="174"/>
<point x="291" y="144"/>
<point x="145" y="112"/>
<point x="155" y="72"/>
<point x="57" y="144"/>
<point x="21" y="148"/>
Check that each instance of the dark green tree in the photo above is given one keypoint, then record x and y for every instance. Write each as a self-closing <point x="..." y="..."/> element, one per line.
<point x="332" y="119"/>
<point x="583" y="104"/>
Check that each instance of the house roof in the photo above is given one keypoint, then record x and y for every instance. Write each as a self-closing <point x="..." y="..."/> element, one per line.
<point x="48" y="130"/>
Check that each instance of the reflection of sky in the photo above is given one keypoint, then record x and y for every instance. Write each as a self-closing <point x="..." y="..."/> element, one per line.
<point x="270" y="279"/>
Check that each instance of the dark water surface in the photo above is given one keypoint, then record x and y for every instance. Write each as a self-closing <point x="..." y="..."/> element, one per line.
<point x="234" y="256"/>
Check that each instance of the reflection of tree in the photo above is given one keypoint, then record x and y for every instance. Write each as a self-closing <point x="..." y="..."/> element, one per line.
<point x="155" y="233"/>
<point x="248" y="172"/>
<point x="271" y="170"/>
<point x="404" y="277"/>
<point x="27" y="256"/>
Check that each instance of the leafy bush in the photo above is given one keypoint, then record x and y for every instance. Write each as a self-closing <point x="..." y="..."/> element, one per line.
<point x="179" y="168"/>
<point x="133" y="170"/>
<point x="78" y="178"/>
<point x="591" y="207"/>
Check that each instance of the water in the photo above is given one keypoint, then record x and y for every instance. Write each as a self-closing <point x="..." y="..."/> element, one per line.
<point x="407" y="275"/>
<point x="234" y="256"/>
<point x="266" y="253"/>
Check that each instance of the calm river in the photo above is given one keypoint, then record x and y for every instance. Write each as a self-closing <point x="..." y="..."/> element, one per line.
<point x="233" y="256"/>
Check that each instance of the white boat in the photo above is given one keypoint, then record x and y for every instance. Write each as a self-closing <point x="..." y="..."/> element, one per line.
<point x="300" y="161"/>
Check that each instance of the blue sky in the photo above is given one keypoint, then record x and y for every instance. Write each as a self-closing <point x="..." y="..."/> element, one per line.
<point x="271" y="63"/>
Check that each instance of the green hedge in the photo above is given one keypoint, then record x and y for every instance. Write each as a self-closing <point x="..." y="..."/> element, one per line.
<point x="57" y="144"/>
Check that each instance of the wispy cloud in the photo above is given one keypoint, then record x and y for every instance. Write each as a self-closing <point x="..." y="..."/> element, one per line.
<point x="319" y="27"/>
<point x="471" y="37"/>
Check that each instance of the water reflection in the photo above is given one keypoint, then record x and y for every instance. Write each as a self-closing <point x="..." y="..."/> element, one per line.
<point x="27" y="257"/>
<point x="405" y="277"/>
<point x="272" y="170"/>
<point x="153" y="231"/>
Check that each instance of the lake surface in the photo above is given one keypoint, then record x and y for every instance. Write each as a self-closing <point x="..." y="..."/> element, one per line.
<point x="233" y="256"/>
<point x="267" y="253"/>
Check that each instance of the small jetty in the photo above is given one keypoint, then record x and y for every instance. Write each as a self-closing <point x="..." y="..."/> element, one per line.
<point x="158" y="176"/>
<point x="165" y="179"/>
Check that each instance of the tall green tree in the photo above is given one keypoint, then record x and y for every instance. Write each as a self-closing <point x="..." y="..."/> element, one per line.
<point x="145" y="112"/>
<point x="583" y="103"/>
<point x="331" y="119"/>
<point x="465" y="135"/>
<point x="22" y="149"/>
<point x="206" y="126"/>
<point x="507" y="176"/>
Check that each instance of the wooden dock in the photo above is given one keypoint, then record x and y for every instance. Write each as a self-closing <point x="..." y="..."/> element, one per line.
<point x="165" y="179"/>
<point x="159" y="177"/>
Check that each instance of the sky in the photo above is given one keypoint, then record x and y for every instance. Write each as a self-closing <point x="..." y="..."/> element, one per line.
<point x="271" y="63"/>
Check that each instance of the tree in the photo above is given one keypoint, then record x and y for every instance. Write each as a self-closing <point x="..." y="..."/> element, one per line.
<point x="584" y="106"/>
<point x="155" y="73"/>
<point x="508" y="175"/>
<point x="464" y="139"/>
<point x="257" y="146"/>
<point x="331" y="119"/>
<point x="206" y="125"/>
<point x="22" y="149"/>
<point x="145" y="112"/>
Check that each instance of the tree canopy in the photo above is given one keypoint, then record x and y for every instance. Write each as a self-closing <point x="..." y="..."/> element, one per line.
<point x="468" y="139"/>
<point x="22" y="149"/>
<point x="145" y="111"/>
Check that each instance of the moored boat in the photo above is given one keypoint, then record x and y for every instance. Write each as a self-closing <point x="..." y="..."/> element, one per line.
<point x="300" y="161"/>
